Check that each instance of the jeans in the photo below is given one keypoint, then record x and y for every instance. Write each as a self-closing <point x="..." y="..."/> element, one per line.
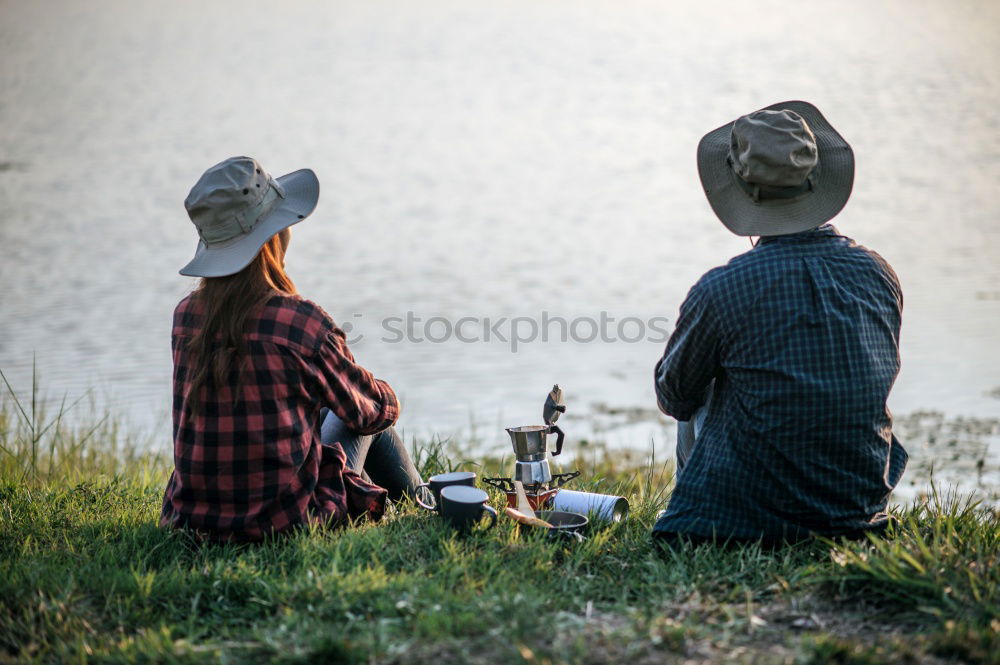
<point x="379" y="458"/>
<point x="687" y="432"/>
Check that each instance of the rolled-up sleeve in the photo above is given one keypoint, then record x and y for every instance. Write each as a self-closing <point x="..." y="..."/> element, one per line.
<point x="366" y="405"/>
<point x="691" y="359"/>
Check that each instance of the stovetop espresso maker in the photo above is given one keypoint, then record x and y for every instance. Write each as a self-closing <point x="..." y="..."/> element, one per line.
<point x="530" y="442"/>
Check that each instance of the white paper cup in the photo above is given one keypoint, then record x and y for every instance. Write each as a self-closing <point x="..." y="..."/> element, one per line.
<point x="598" y="506"/>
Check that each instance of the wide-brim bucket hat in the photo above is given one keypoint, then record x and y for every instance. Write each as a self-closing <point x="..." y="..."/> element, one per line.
<point x="748" y="208"/>
<point x="237" y="207"/>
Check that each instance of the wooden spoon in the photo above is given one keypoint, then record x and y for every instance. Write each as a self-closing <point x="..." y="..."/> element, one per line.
<point x="518" y="516"/>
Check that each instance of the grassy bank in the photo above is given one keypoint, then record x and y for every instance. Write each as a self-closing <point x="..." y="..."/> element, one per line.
<point x="86" y="576"/>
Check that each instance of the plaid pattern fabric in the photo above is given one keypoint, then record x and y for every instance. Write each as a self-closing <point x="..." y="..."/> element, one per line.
<point x="245" y="470"/>
<point x="799" y="339"/>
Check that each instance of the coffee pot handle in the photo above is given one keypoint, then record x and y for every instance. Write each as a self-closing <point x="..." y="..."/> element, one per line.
<point x="416" y="497"/>
<point x="493" y="516"/>
<point x="559" y="438"/>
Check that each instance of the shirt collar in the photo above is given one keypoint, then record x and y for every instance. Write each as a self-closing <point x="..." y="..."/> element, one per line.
<point x="824" y="231"/>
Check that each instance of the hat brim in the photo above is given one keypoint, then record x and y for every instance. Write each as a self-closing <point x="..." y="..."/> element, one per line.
<point x="737" y="210"/>
<point x="228" y="258"/>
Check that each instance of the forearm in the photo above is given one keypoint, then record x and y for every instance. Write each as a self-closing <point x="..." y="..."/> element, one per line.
<point x="674" y="396"/>
<point x="365" y="404"/>
<point x="691" y="359"/>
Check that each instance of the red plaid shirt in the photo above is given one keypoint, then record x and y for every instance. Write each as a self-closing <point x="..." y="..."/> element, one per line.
<point x="248" y="469"/>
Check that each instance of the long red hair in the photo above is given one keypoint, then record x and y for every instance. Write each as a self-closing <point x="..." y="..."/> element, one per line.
<point x="226" y="303"/>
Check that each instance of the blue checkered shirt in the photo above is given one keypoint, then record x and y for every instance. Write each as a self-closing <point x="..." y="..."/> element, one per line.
<point x="799" y="341"/>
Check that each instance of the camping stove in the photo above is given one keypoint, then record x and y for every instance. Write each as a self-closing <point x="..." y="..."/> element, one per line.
<point x="539" y="495"/>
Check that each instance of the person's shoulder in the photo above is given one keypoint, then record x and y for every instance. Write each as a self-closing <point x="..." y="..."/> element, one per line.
<point x="187" y="315"/>
<point x="879" y="268"/>
<point x="876" y="259"/>
<point x="294" y="303"/>
<point x="722" y="278"/>
<point x="294" y="319"/>
<point x="187" y="303"/>
<point x="847" y="246"/>
<point x="730" y="288"/>
<point x="712" y="280"/>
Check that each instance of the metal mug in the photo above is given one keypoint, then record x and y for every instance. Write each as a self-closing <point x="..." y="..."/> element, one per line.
<point x="604" y="507"/>
<point x="435" y="484"/>
<point x="529" y="441"/>
<point x="463" y="507"/>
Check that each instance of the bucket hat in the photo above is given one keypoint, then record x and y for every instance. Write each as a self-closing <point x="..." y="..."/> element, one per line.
<point x="236" y="208"/>
<point x="780" y="170"/>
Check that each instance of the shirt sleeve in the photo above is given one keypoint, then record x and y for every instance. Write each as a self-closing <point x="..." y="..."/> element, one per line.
<point x="691" y="359"/>
<point x="366" y="405"/>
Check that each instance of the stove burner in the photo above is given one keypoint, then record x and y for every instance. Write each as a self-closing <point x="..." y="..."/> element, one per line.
<point x="539" y="494"/>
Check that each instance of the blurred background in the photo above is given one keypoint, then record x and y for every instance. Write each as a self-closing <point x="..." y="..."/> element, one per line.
<point x="480" y="159"/>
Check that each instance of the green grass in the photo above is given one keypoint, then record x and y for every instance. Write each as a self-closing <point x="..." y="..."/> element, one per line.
<point x="87" y="576"/>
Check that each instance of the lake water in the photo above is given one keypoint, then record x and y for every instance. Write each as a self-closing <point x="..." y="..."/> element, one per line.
<point x="484" y="160"/>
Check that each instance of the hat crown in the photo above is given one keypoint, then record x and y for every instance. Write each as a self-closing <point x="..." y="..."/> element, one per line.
<point x="218" y="203"/>
<point x="773" y="148"/>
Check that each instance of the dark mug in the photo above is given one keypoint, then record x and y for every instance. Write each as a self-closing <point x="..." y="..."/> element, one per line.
<point x="463" y="507"/>
<point x="435" y="484"/>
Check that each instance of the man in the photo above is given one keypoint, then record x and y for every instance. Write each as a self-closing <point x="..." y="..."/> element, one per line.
<point x="782" y="360"/>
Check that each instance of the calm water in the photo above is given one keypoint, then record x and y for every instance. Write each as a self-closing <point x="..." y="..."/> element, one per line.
<point x="480" y="160"/>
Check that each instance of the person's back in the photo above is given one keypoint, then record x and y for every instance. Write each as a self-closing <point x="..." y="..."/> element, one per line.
<point x="248" y="464"/>
<point x="782" y="360"/>
<point x="797" y="437"/>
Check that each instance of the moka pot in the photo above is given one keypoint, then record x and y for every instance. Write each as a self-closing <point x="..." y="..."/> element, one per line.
<point x="530" y="446"/>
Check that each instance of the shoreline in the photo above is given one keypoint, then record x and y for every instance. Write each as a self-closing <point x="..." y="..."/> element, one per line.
<point x="960" y="452"/>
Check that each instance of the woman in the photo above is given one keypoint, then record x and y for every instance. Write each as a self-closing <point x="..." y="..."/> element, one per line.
<point x="275" y="425"/>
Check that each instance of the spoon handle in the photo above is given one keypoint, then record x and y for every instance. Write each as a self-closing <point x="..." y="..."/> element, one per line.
<point x="518" y="516"/>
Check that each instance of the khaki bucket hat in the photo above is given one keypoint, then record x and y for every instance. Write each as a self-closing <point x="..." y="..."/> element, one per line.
<point x="237" y="207"/>
<point x="780" y="170"/>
